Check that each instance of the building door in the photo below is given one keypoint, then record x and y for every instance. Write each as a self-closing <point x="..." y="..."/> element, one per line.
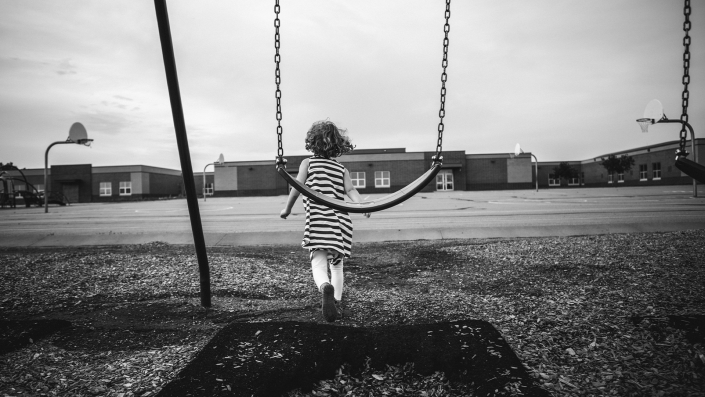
<point x="444" y="181"/>
<point x="71" y="192"/>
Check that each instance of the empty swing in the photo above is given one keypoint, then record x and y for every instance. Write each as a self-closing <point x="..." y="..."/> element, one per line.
<point x="654" y="114"/>
<point x="370" y="205"/>
<point x="689" y="167"/>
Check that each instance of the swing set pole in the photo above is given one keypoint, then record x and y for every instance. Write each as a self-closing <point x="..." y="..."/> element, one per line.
<point x="184" y="154"/>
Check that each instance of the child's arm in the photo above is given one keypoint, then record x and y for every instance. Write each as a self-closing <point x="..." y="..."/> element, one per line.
<point x="294" y="194"/>
<point x="351" y="191"/>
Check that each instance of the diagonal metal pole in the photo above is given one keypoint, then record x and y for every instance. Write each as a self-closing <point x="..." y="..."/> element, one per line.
<point x="184" y="154"/>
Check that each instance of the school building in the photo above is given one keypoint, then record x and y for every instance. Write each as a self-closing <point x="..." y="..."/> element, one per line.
<point x="83" y="183"/>
<point x="371" y="170"/>
<point x="387" y="170"/>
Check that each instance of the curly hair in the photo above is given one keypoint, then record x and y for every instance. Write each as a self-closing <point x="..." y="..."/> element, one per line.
<point x="326" y="140"/>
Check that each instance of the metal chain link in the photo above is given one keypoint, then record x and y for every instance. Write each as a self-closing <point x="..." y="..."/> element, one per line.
<point x="686" y="75"/>
<point x="444" y="77"/>
<point x="278" y="94"/>
<point x="277" y="80"/>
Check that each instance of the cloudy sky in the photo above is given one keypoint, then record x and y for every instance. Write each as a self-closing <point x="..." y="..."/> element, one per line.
<point x="565" y="78"/>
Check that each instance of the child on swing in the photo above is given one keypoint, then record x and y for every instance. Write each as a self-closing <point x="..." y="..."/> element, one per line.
<point x="328" y="232"/>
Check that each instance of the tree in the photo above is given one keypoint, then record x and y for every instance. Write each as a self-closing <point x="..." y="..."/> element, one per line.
<point x="565" y="171"/>
<point x="618" y="165"/>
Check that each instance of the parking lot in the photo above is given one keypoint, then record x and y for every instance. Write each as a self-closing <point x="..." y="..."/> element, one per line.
<point x="436" y="215"/>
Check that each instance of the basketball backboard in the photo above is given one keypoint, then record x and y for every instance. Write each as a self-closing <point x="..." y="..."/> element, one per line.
<point x="517" y="150"/>
<point x="654" y="111"/>
<point x="652" y="115"/>
<point x="78" y="133"/>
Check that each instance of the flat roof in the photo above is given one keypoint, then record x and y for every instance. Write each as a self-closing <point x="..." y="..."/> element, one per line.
<point x="646" y="149"/>
<point x="134" y="168"/>
<point x="376" y="151"/>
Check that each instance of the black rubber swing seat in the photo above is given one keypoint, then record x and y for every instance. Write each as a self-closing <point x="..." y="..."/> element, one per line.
<point x="691" y="168"/>
<point x="379" y="204"/>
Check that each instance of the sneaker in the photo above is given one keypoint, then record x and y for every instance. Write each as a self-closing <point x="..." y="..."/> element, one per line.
<point x="330" y="311"/>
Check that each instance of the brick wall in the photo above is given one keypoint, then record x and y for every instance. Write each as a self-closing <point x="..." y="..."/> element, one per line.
<point x="259" y="180"/>
<point x="76" y="174"/>
<point x="164" y="185"/>
<point x="483" y="172"/>
<point x="596" y="174"/>
<point x="114" y="179"/>
<point x="145" y="185"/>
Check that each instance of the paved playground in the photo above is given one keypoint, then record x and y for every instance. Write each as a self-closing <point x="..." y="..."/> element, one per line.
<point x="437" y="215"/>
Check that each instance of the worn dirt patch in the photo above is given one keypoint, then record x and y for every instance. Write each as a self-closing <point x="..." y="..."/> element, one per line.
<point x="268" y="359"/>
<point x="15" y="335"/>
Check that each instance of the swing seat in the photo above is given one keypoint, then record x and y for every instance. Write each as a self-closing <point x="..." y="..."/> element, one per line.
<point x="379" y="204"/>
<point x="691" y="168"/>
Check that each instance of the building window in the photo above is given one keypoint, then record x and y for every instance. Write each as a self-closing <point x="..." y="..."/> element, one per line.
<point x="106" y="189"/>
<point x="358" y="179"/>
<point x="553" y="181"/>
<point x="40" y="188"/>
<point x="657" y="171"/>
<point x="643" y="173"/>
<point x="125" y="188"/>
<point x="20" y="188"/>
<point x="209" y="189"/>
<point x="620" y="178"/>
<point x="610" y="178"/>
<point x="573" y="181"/>
<point x="382" y="179"/>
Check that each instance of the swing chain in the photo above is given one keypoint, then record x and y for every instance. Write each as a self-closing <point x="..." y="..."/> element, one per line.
<point x="686" y="76"/>
<point x="278" y="94"/>
<point x="444" y="77"/>
<point x="277" y="80"/>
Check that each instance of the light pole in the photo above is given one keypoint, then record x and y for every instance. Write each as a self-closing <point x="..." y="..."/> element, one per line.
<point x="654" y="114"/>
<point x="518" y="151"/>
<point x="220" y="161"/>
<point x="77" y="135"/>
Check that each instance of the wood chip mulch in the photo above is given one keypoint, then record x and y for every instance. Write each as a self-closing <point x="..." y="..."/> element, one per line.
<point x="591" y="315"/>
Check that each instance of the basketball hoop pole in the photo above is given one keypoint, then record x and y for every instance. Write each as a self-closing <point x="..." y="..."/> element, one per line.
<point x="46" y="165"/>
<point x="77" y="135"/>
<point x="536" y="171"/>
<point x="517" y="151"/>
<point x="692" y="146"/>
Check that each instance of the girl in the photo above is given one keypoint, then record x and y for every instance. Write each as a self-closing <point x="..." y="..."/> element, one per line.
<point x="328" y="232"/>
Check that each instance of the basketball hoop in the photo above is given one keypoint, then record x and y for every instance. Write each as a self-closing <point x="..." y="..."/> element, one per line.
<point x="85" y="142"/>
<point x="644" y="124"/>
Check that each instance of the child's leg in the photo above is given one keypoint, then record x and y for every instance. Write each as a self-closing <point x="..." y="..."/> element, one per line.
<point x="336" y="277"/>
<point x="319" y="267"/>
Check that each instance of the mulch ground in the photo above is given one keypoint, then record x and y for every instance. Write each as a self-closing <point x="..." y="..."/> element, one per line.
<point x="593" y="315"/>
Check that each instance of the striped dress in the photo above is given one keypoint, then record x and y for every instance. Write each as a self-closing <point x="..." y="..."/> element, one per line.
<point x="327" y="228"/>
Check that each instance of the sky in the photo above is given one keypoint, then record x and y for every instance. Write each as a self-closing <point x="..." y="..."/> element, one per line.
<point x="564" y="78"/>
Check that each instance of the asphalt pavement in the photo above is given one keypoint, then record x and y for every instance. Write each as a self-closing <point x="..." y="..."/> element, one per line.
<point x="436" y="215"/>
